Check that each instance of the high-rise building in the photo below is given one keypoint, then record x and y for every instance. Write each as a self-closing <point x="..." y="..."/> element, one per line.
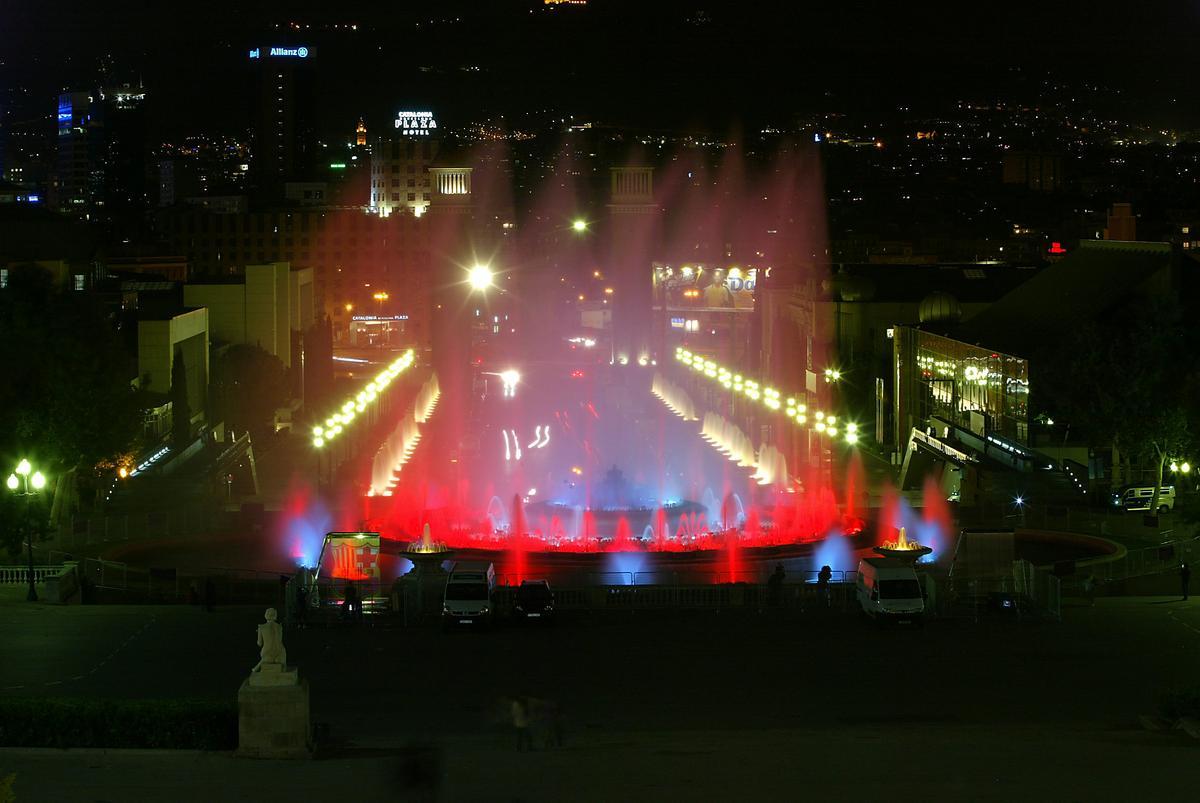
<point x="78" y="186"/>
<point x="400" y="164"/>
<point x="102" y="171"/>
<point x="283" y="132"/>
<point x="360" y="133"/>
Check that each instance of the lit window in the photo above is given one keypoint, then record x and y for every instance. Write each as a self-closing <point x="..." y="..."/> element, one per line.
<point x="79" y="281"/>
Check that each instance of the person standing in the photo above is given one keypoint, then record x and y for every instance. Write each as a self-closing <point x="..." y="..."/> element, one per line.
<point x="301" y="606"/>
<point x="823" y="578"/>
<point x="1185" y="577"/>
<point x="775" y="587"/>
<point x="520" y="720"/>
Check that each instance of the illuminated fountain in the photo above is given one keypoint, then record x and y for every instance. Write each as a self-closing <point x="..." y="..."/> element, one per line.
<point x="675" y="398"/>
<point x="399" y="446"/>
<point x="903" y="549"/>
<point x="422" y="587"/>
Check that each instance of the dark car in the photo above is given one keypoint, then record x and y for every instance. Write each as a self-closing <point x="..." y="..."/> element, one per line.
<point x="534" y="600"/>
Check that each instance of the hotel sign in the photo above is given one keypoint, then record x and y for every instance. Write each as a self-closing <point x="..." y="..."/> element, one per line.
<point x="415" y="124"/>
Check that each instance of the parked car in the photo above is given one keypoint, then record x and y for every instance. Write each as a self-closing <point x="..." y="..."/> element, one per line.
<point x="469" y="591"/>
<point x="534" y="600"/>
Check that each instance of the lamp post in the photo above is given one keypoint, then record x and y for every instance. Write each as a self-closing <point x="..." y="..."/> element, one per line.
<point x="380" y="297"/>
<point x="27" y="483"/>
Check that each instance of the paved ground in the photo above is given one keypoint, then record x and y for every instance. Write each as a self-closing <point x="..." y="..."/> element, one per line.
<point x="701" y="705"/>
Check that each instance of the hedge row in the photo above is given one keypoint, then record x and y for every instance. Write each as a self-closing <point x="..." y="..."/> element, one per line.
<point x="169" y="724"/>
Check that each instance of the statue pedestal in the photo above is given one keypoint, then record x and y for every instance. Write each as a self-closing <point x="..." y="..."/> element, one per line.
<point x="273" y="718"/>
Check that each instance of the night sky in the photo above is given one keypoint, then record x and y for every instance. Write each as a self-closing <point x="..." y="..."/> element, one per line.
<point x="673" y="65"/>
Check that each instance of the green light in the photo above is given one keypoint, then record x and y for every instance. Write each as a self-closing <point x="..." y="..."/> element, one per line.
<point x="337" y="165"/>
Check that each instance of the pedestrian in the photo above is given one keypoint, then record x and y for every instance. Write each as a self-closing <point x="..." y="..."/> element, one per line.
<point x="350" y="602"/>
<point x="553" y="721"/>
<point x="1089" y="589"/>
<point x="823" y="578"/>
<point x="520" y="721"/>
<point x="775" y="587"/>
<point x="301" y="607"/>
<point x="1185" y="576"/>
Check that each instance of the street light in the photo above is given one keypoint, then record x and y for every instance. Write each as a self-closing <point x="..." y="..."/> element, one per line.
<point x="380" y="297"/>
<point x="29" y="487"/>
<point x="579" y="225"/>
<point x="480" y="277"/>
<point x="832" y="375"/>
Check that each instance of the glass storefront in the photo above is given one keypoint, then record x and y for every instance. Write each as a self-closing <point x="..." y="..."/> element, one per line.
<point x="980" y="390"/>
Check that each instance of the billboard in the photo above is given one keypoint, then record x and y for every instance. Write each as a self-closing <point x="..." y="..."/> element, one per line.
<point x="350" y="556"/>
<point x="706" y="287"/>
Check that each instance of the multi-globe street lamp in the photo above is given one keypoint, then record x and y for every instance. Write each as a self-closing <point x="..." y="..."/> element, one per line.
<point x="27" y="482"/>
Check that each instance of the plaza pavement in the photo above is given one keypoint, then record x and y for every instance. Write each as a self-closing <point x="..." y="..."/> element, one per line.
<point x="695" y="705"/>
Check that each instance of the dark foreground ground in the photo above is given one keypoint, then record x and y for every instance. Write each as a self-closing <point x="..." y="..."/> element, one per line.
<point x="697" y="706"/>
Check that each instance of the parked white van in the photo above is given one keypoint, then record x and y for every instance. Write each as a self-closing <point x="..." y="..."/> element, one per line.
<point x="470" y="591"/>
<point x="888" y="590"/>
<point x="1137" y="497"/>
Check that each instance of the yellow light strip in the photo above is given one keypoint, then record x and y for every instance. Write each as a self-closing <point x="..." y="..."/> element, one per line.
<point x="337" y="423"/>
<point x="769" y="396"/>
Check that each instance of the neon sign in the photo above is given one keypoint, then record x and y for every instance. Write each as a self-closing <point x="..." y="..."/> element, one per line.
<point x="415" y="124"/>
<point x="300" y="52"/>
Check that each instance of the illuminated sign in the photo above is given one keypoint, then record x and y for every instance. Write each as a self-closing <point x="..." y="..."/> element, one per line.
<point x="300" y="52"/>
<point x="337" y="165"/>
<point x="415" y="124"/>
<point x="379" y="318"/>
<point x="706" y="286"/>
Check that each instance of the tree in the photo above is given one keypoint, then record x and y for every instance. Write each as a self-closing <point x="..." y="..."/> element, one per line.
<point x="66" y="401"/>
<point x="181" y="409"/>
<point x="1130" y="380"/>
<point x="249" y="385"/>
<point x="318" y="364"/>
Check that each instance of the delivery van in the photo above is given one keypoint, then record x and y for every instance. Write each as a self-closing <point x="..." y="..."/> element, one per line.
<point x="1138" y="498"/>
<point x="888" y="591"/>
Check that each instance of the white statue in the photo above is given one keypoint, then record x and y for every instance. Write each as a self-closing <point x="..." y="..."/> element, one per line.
<point x="270" y="638"/>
